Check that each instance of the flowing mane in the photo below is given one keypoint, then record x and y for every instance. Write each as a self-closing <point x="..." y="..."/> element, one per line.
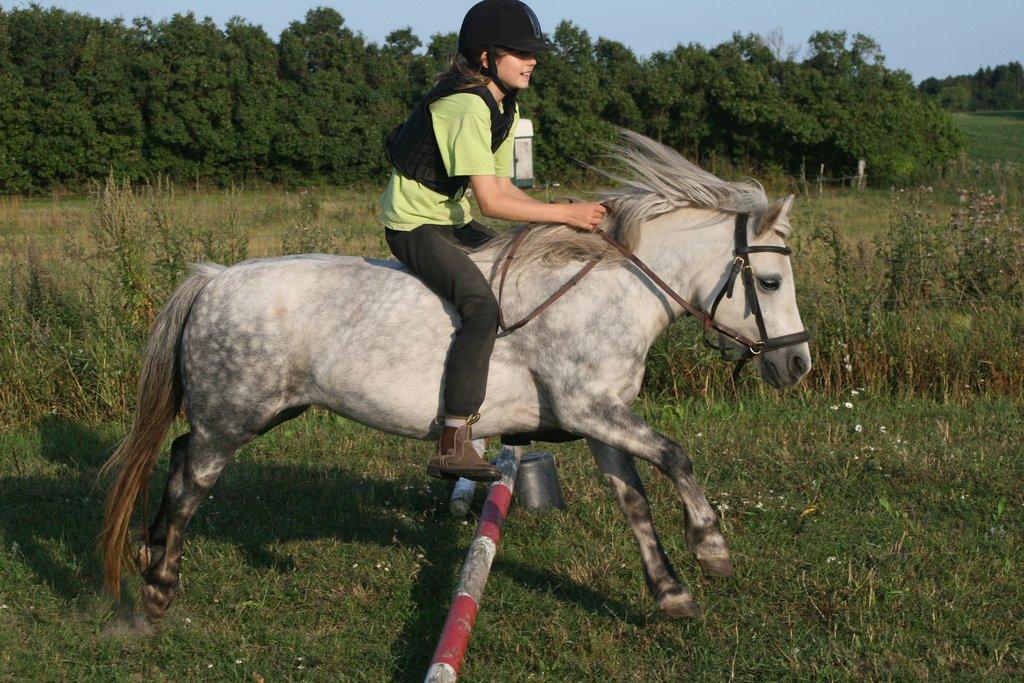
<point x="652" y="180"/>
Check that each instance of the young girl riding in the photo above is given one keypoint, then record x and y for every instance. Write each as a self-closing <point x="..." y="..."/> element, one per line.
<point x="461" y="135"/>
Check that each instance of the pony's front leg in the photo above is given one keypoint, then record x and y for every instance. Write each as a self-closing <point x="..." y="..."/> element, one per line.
<point x="612" y="422"/>
<point x="619" y="471"/>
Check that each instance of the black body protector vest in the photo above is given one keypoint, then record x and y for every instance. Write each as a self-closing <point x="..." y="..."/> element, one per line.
<point x="411" y="147"/>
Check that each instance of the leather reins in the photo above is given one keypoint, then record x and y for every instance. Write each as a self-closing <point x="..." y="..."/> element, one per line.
<point x="740" y="267"/>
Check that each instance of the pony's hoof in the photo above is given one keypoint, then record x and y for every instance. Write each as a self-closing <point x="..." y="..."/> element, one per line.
<point x="719" y="566"/>
<point x="154" y="603"/>
<point x="680" y="605"/>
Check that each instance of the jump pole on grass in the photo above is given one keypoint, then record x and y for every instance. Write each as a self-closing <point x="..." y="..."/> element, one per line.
<point x="451" y="646"/>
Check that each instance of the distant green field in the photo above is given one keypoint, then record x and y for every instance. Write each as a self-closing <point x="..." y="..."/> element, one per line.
<point x="993" y="135"/>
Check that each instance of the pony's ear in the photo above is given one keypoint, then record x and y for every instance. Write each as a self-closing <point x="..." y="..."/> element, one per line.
<point x="773" y="214"/>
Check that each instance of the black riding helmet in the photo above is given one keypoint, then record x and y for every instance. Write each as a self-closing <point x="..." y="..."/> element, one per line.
<point x="508" y="23"/>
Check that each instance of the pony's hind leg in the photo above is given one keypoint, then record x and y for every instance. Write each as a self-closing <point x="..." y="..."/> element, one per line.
<point x="152" y="549"/>
<point x="205" y="456"/>
<point x="620" y="473"/>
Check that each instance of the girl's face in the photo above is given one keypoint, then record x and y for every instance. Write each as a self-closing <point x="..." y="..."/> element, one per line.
<point x="514" y="68"/>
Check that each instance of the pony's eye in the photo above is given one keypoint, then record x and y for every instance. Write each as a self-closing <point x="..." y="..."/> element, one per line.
<point x="769" y="284"/>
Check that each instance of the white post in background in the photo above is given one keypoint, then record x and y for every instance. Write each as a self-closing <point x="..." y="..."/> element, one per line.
<point x="522" y="155"/>
<point x="861" y="178"/>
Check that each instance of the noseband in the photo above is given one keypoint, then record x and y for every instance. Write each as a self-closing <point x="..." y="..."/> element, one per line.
<point x="748" y="348"/>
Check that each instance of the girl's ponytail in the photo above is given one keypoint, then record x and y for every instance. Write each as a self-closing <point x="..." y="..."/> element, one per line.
<point x="463" y="73"/>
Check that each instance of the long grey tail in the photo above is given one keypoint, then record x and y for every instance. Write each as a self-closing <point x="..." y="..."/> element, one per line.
<point x="157" y="404"/>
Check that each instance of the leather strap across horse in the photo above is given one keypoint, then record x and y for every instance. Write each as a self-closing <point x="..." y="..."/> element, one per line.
<point x="741" y="265"/>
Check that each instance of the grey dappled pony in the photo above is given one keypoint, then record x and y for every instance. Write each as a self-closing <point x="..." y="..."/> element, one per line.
<point x="253" y="345"/>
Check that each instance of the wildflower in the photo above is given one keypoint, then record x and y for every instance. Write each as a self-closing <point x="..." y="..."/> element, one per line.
<point x="238" y="661"/>
<point x="847" y="405"/>
<point x="835" y="407"/>
<point x="854" y="392"/>
<point x="831" y="559"/>
<point x="858" y="429"/>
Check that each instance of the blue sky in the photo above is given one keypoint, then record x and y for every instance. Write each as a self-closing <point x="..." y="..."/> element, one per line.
<point x="926" y="38"/>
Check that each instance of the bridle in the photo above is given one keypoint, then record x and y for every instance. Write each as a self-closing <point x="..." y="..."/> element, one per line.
<point x="741" y="267"/>
<point x="747" y="349"/>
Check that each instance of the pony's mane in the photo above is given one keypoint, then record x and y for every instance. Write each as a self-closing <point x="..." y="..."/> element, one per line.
<point x="652" y="180"/>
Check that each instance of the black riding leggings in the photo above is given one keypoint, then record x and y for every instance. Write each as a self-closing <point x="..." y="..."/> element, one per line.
<point x="432" y="252"/>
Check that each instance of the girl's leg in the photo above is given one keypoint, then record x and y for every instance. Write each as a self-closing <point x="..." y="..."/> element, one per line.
<point x="432" y="253"/>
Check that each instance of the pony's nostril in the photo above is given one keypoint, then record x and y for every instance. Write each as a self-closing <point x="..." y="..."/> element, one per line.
<point x="799" y="363"/>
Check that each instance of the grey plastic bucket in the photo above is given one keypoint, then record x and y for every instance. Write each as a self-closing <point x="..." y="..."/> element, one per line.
<point x="537" y="485"/>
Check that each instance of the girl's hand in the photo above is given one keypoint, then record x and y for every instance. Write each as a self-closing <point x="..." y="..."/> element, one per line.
<point x="584" y="215"/>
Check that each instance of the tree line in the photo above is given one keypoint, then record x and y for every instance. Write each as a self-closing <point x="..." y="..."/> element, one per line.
<point x="81" y="97"/>
<point x="989" y="89"/>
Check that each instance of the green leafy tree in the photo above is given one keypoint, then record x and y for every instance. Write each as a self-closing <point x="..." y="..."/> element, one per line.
<point x="566" y="99"/>
<point x="106" y="79"/>
<point x="998" y="88"/>
<point x="187" y="105"/>
<point x="43" y="49"/>
<point x="673" y="101"/>
<point x="81" y="97"/>
<point x="322" y="73"/>
<point x="254" y="89"/>
<point x="620" y="77"/>
<point x="15" y="131"/>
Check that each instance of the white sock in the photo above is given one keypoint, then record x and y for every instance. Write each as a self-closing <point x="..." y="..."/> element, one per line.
<point x="451" y="421"/>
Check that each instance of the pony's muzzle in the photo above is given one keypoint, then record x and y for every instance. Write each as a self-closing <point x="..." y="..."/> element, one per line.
<point x="786" y="366"/>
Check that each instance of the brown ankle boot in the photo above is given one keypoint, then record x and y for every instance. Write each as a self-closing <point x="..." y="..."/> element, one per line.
<point x="456" y="457"/>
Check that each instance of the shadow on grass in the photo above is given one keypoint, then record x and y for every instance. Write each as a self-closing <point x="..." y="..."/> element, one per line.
<point x="54" y="517"/>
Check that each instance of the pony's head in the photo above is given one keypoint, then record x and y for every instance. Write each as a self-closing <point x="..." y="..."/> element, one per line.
<point x="756" y="296"/>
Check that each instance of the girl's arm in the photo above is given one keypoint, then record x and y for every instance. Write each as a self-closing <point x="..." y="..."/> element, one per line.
<point x="495" y="203"/>
<point x="506" y="185"/>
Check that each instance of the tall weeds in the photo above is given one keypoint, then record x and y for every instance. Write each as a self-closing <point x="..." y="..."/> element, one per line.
<point x="931" y="307"/>
<point x="73" y="326"/>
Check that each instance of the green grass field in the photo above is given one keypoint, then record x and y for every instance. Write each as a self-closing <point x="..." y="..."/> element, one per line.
<point x="881" y="541"/>
<point x="993" y="136"/>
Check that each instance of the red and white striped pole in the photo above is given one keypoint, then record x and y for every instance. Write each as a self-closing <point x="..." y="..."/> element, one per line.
<point x="451" y="646"/>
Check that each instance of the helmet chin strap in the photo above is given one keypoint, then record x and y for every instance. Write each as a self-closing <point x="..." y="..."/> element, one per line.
<point x="492" y="71"/>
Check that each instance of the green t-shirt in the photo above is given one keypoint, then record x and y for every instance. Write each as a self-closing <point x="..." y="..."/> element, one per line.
<point x="462" y="126"/>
